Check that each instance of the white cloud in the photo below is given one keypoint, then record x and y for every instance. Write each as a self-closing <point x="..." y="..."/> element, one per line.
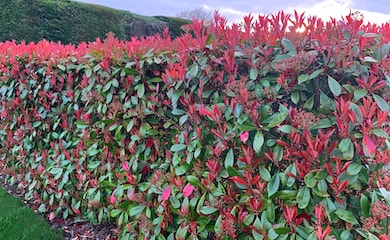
<point x="338" y="9"/>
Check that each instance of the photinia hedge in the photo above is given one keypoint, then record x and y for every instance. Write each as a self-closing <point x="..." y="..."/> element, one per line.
<point x="249" y="131"/>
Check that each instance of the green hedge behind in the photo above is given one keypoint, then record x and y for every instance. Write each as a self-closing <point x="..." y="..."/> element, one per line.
<point x="73" y="22"/>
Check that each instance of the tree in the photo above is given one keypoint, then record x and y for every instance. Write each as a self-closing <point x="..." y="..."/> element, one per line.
<point x="198" y="13"/>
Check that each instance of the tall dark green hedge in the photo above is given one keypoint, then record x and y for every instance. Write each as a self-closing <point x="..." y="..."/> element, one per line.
<point x="73" y="22"/>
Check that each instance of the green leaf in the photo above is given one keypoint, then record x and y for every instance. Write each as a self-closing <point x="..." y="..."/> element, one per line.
<point x="181" y="170"/>
<point x="140" y="90"/>
<point x="345" y="144"/>
<point x="295" y="97"/>
<point x="229" y="159"/>
<point x="93" y="165"/>
<point x="350" y="151"/>
<point x="278" y="119"/>
<point x="218" y="223"/>
<point x="264" y="173"/>
<point x="130" y="71"/>
<point x="380" y="133"/>
<point x="174" y="202"/>
<point x="326" y="102"/>
<point x="248" y="220"/>
<point x="81" y="125"/>
<point x="200" y="203"/>
<point x="303" y="197"/>
<point x="354" y="169"/>
<point x="183" y="119"/>
<point x="270" y="213"/>
<point x="178" y="147"/>
<point x="115" y="212"/>
<point x="208" y="210"/>
<point x="323" y="123"/>
<point x="282" y="230"/>
<point x="365" y="206"/>
<point x="92" y="152"/>
<point x="193" y="71"/>
<point x="247" y="127"/>
<point x="346" y="216"/>
<point x="316" y="73"/>
<point x="369" y="59"/>
<point x="359" y="93"/>
<point x="303" y="78"/>
<point x="287" y="194"/>
<point x="334" y="86"/>
<point x="193" y="180"/>
<point x="137" y="210"/>
<point x="210" y="39"/>
<point x="309" y="103"/>
<point x="273" y="185"/>
<point x="232" y="172"/>
<point x="285" y="129"/>
<point x="178" y="112"/>
<point x="38" y="123"/>
<point x="253" y="73"/>
<point x="345" y="235"/>
<point x="107" y="86"/>
<point x="382" y="104"/>
<point x="310" y="179"/>
<point x="289" y="46"/>
<point x="258" y="141"/>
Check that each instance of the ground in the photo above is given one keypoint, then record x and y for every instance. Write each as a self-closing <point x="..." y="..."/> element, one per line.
<point x="72" y="229"/>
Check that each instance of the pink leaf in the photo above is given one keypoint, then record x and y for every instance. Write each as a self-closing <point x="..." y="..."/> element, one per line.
<point x="52" y="215"/>
<point x="244" y="136"/>
<point x="166" y="193"/>
<point x="125" y="166"/>
<point x="40" y="168"/>
<point x="368" y="146"/>
<point x="187" y="191"/>
<point x="112" y="198"/>
<point x="131" y="194"/>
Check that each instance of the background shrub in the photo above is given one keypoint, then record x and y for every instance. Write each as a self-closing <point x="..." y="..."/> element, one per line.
<point x="74" y="22"/>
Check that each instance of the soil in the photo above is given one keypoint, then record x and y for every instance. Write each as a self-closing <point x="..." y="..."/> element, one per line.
<point x="72" y="228"/>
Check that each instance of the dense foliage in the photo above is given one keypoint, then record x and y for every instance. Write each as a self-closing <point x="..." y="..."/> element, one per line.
<point x="73" y="22"/>
<point x="252" y="131"/>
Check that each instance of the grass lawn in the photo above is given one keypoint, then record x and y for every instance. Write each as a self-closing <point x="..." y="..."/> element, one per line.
<point x="18" y="222"/>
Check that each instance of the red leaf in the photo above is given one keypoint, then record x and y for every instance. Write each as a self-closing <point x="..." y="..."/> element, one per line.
<point x="166" y="193"/>
<point x="326" y="232"/>
<point x="368" y="146"/>
<point x="239" y="180"/>
<point x="187" y="191"/>
<point x="76" y="211"/>
<point x="203" y="111"/>
<point x="343" y="186"/>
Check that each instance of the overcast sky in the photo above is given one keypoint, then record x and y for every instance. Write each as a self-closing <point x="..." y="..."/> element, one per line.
<point x="373" y="10"/>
